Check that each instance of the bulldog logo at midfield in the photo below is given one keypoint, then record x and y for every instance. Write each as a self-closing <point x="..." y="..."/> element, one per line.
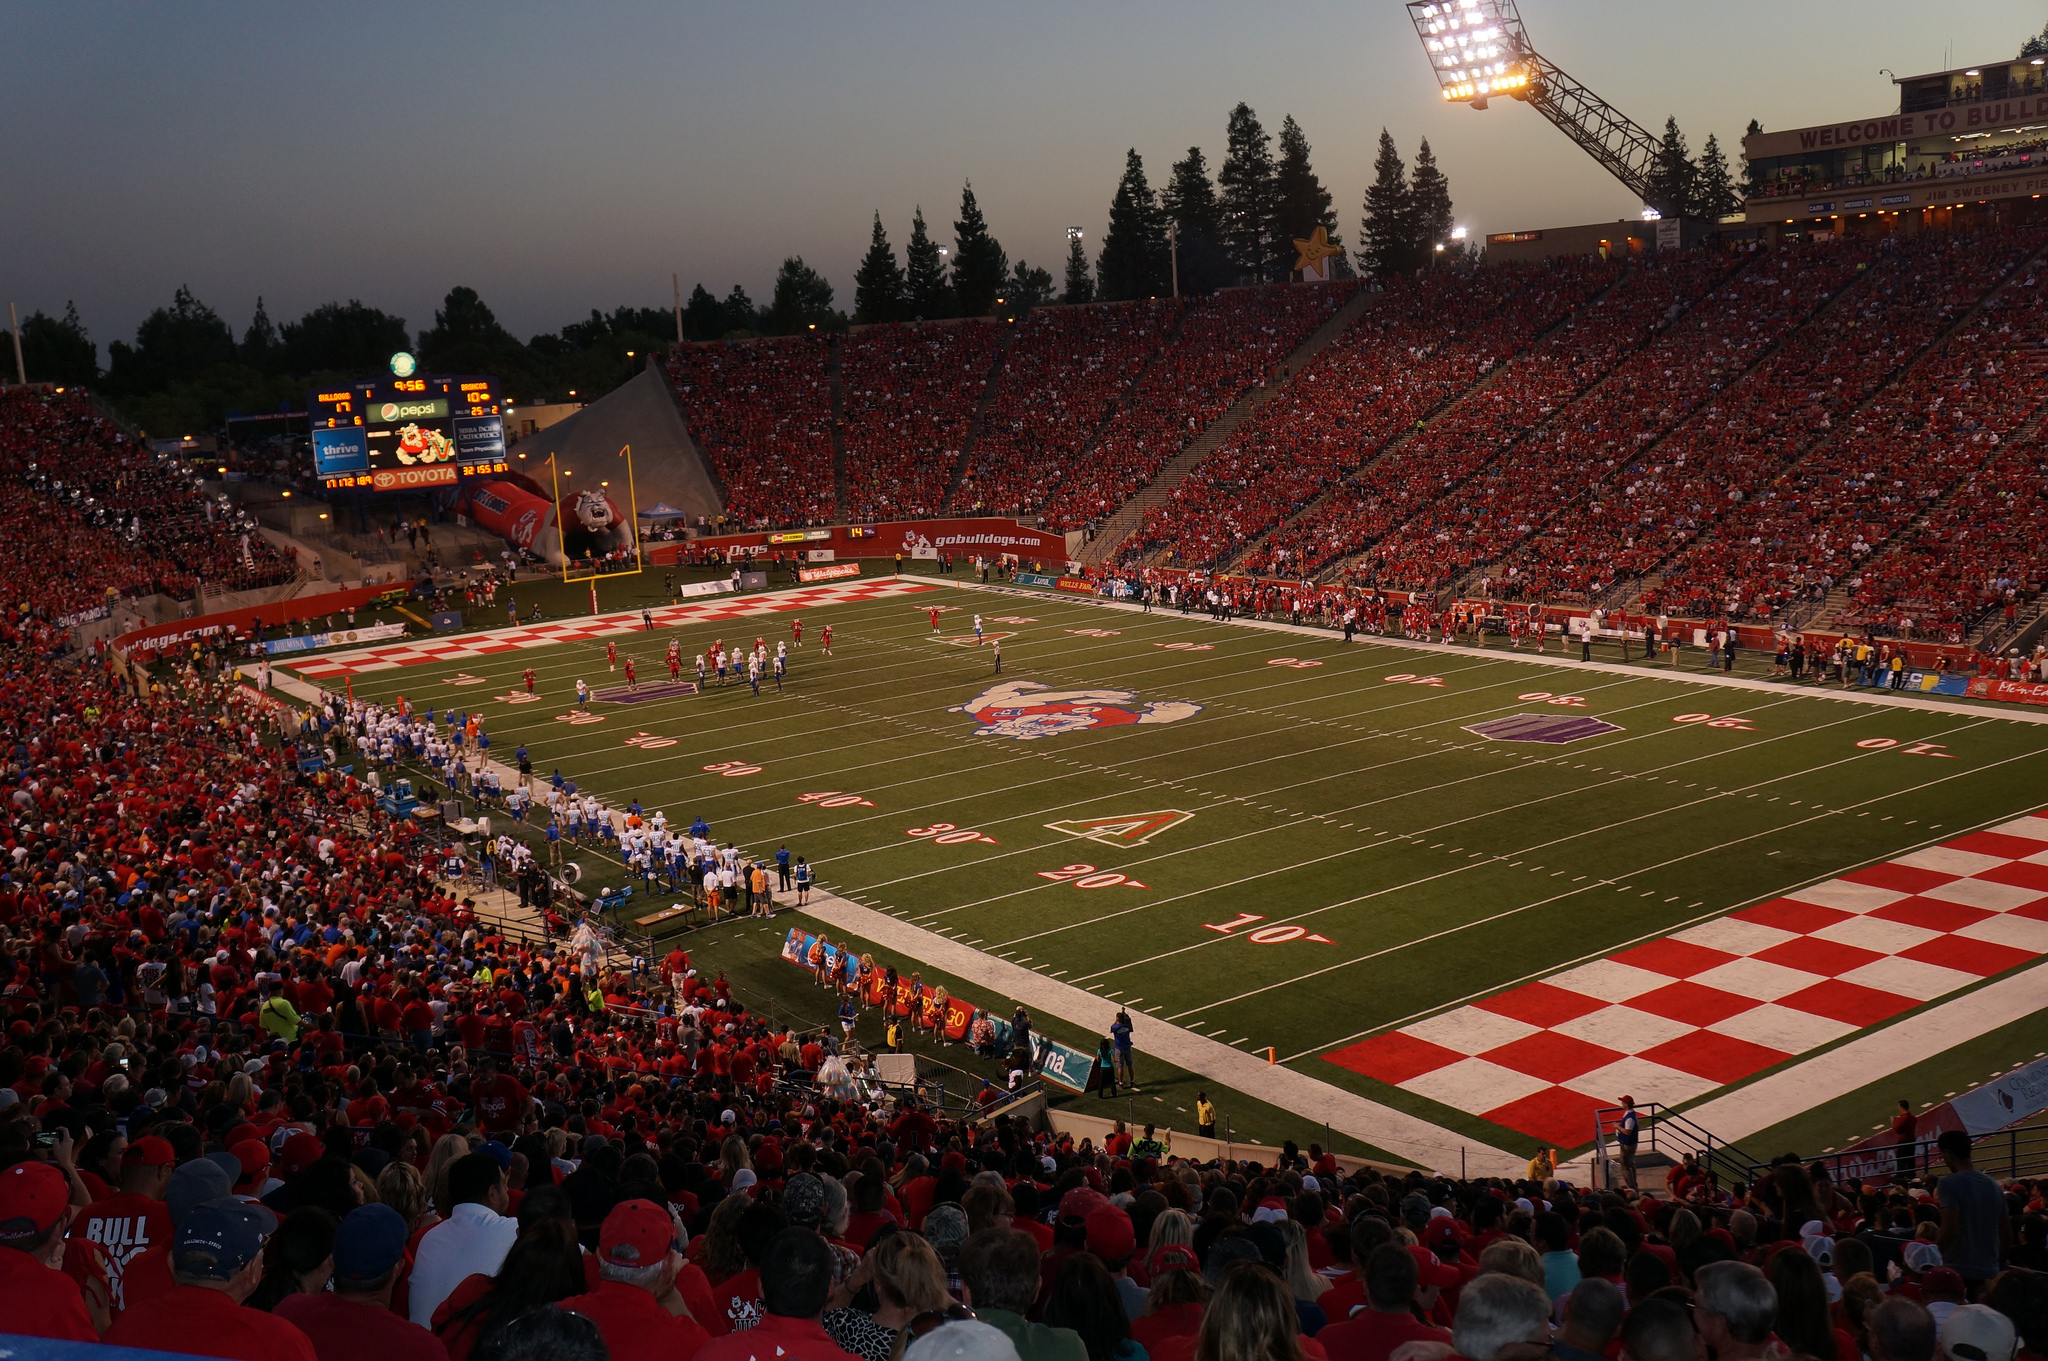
<point x="1026" y="709"/>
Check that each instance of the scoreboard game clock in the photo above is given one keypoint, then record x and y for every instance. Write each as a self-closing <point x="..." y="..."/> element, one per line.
<point x="407" y="433"/>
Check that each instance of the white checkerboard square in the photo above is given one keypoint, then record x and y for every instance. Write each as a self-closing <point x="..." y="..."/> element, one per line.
<point x="1984" y="893"/>
<point x="1844" y="896"/>
<point x="1474" y="1085"/>
<point x="1875" y="933"/>
<point x="2033" y="828"/>
<point x="1641" y="1079"/>
<point x="1756" y="978"/>
<point x="2021" y="933"/>
<point x="1909" y="978"/>
<point x="1732" y="936"/>
<point x="1623" y="1029"/>
<point x="1468" y="1030"/>
<point x="1782" y="1028"/>
<point x="1608" y="980"/>
<point x="1949" y="860"/>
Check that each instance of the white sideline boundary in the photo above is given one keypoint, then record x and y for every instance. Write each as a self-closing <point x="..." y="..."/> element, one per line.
<point x="1638" y="671"/>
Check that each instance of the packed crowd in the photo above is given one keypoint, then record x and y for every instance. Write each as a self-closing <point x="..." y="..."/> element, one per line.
<point x="761" y="412"/>
<point x="1426" y="341"/>
<point x="909" y="395"/>
<point x="1063" y="372"/>
<point x="88" y="510"/>
<point x="1228" y="345"/>
<point x="1820" y="518"/>
<point x="1529" y="390"/>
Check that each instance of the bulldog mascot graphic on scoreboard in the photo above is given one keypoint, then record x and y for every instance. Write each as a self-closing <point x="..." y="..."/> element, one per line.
<point x="416" y="445"/>
<point x="1026" y="710"/>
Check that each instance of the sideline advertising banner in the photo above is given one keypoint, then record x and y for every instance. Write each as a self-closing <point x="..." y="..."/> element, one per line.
<point x="313" y="642"/>
<point x="918" y="539"/>
<point x="834" y="572"/>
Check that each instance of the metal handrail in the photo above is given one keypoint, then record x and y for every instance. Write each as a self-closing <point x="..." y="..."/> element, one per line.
<point x="2018" y="1151"/>
<point x="1660" y="1126"/>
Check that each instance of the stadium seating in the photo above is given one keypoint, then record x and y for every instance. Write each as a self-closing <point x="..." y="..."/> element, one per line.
<point x="1823" y="517"/>
<point x="761" y="412"/>
<point x="909" y="395"/>
<point x="1530" y="390"/>
<point x="89" y="510"/>
<point x="1422" y="344"/>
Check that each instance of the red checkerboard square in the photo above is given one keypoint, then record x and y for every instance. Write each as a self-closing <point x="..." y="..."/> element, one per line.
<point x="1692" y="1003"/>
<point x="1551" y="1056"/>
<point x="1720" y="1057"/>
<point x="1824" y="957"/>
<point x="1543" y="1004"/>
<point x="1393" y="1058"/>
<point x="1980" y="957"/>
<point x="2037" y="911"/>
<point x="1556" y="1115"/>
<point x="1931" y="913"/>
<point x="1904" y="878"/>
<point x="1679" y="959"/>
<point x="1850" y="1003"/>
<point x="1999" y="843"/>
<point x="1788" y="915"/>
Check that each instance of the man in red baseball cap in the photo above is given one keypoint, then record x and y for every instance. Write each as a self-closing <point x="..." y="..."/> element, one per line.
<point x="36" y="1298"/>
<point x="136" y="1220"/>
<point x="637" y="1261"/>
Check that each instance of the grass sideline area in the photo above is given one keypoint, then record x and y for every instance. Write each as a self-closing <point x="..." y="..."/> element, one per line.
<point x="1265" y="835"/>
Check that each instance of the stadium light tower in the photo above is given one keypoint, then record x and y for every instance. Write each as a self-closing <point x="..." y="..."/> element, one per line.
<point x="1479" y="48"/>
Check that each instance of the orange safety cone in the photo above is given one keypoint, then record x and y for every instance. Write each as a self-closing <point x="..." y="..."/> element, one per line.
<point x="1269" y="1055"/>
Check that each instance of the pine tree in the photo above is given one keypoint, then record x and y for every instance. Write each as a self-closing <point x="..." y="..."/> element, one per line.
<point x="1189" y="201"/>
<point x="1386" y="236"/>
<point x="1673" y="177"/>
<point x="926" y="294"/>
<point x="1429" y="207"/>
<point x="1715" y="190"/>
<point x="1026" y="288"/>
<point x="260" y="343"/>
<point x="802" y="300"/>
<point x="703" y="315"/>
<point x="1133" y="262"/>
<point x="1080" y="283"/>
<point x="1245" y="182"/>
<point x="1752" y="174"/>
<point x="2036" y="46"/>
<point x="980" y="269"/>
<point x="740" y="313"/>
<point x="878" y="283"/>
<point x="1302" y="204"/>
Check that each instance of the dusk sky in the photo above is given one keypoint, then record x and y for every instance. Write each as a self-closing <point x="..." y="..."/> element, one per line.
<point x="558" y="158"/>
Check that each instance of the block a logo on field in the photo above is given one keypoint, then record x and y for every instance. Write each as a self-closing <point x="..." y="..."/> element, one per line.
<point x="1555" y="729"/>
<point x="1123" y="829"/>
<point x="1027" y="709"/>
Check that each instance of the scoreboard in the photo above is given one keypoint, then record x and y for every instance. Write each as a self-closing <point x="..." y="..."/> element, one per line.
<point x="407" y="434"/>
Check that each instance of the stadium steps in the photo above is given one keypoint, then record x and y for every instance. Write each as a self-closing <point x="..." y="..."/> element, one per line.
<point x="1631" y="592"/>
<point x="1131" y="513"/>
<point x="842" y="498"/>
<point x="997" y="367"/>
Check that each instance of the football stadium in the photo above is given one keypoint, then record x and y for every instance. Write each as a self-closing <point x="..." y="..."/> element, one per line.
<point x="1468" y="793"/>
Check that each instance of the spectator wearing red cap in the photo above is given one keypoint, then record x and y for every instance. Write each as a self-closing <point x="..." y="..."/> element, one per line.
<point x="136" y="1219"/>
<point x="637" y="1262"/>
<point x="255" y="1181"/>
<point x="1395" y="1286"/>
<point x="216" y="1264"/>
<point x="354" y="1321"/>
<point x="1111" y="1238"/>
<point x="1173" y="1308"/>
<point x="36" y="1298"/>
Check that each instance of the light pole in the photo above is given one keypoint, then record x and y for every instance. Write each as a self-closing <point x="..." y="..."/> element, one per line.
<point x="1173" y="250"/>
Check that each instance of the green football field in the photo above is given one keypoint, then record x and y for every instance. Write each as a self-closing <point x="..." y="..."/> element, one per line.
<point x="1274" y="840"/>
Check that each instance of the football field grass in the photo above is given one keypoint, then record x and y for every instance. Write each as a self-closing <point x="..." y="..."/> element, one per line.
<point x="1275" y="840"/>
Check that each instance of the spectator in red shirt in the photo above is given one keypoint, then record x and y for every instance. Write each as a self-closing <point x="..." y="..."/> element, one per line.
<point x="216" y="1264"/>
<point x="354" y="1321"/>
<point x="500" y="1101"/>
<point x="796" y="1280"/>
<point x="130" y="1223"/>
<point x="36" y="1298"/>
<point x="1392" y="1287"/>
<point x="635" y="1303"/>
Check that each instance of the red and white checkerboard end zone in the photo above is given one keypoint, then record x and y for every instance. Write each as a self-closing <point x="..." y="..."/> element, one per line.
<point x="420" y="651"/>
<point x="1717" y="1003"/>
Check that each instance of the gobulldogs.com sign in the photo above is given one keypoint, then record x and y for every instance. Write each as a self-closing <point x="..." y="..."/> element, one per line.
<point x="985" y="537"/>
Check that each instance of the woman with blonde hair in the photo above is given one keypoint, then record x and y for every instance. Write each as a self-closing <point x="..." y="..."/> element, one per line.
<point x="1250" y="1318"/>
<point x="909" y="1280"/>
<point x="733" y="1158"/>
<point x="1170" y="1228"/>
<point x="1302" y="1279"/>
<point x="447" y="1150"/>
